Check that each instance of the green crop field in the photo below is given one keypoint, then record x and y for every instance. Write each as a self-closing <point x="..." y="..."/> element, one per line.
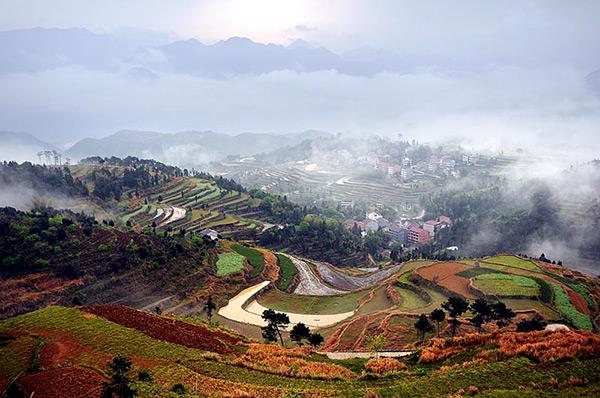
<point x="410" y="301"/>
<point x="506" y="285"/>
<point x="513" y="261"/>
<point x="281" y="301"/>
<point x="568" y="310"/>
<point x="288" y="270"/>
<point x="229" y="263"/>
<point x="255" y="258"/>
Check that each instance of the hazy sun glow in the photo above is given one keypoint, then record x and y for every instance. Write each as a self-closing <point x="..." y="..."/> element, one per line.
<point x="261" y="20"/>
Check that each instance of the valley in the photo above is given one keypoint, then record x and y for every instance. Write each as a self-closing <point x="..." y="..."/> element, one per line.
<point x="136" y="280"/>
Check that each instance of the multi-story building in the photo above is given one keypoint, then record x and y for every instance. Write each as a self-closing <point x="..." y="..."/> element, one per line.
<point x="418" y="235"/>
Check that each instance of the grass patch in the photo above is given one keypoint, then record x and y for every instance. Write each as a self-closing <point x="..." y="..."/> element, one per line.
<point x="288" y="271"/>
<point x="229" y="263"/>
<point x="255" y="258"/>
<point x="506" y="285"/>
<point x="513" y="261"/>
<point x="410" y="300"/>
<point x="568" y="310"/>
<point x="470" y="273"/>
<point x="300" y="304"/>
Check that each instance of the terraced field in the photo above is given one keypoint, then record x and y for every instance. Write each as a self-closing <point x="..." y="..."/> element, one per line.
<point x="295" y="180"/>
<point x="506" y="285"/>
<point x="193" y="204"/>
<point x="513" y="261"/>
<point x="446" y="275"/>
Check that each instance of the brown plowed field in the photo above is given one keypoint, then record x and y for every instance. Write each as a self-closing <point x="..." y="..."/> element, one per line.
<point x="62" y="383"/>
<point x="444" y="274"/>
<point x="173" y="331"/>
<point x="578" y="301"/>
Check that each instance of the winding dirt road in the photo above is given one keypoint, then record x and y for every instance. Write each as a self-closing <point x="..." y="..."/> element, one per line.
<point x="235" y="311"/>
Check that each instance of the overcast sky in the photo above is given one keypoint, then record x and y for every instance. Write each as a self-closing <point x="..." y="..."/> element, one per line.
<point x="503" y="72"/>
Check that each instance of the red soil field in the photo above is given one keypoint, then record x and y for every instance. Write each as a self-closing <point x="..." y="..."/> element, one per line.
<point x="444" y="275"/>
<point x="63" y="382"/>
<point x="578" y="301"/>
<point x="58" y="354"/>
<point x="173" y="331"/>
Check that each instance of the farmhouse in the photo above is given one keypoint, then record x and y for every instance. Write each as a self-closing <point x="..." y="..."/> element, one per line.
<point x="374" y="216"/>
<point x="211" y="233"/>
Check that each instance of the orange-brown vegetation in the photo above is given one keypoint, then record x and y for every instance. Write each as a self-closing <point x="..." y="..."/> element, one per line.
<point x="392" y="294"/>
<point x="271" y="271"/>
<point x="274" y="359"/>
<point x="384" y="365"/>
<point x="542" y="346"/>
<point x="545" y="346"/>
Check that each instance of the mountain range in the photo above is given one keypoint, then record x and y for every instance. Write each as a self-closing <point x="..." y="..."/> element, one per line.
<point x="21" y="147"/>
<point x="40" y="49"/>
<point x="188" y="148"/>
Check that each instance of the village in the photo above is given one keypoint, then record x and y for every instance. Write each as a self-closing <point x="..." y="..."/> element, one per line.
<point x="405" y="233"/>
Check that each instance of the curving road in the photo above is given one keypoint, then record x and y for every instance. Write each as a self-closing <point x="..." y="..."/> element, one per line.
<point x="235" y="311"/>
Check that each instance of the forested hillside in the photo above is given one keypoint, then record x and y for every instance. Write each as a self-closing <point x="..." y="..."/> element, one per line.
<point x="49" y="257"/>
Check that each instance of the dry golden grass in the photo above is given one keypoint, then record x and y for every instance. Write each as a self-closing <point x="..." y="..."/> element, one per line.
<point x="542" y="346"/>
<point x="289" y="362"/>
<point x="271" y="271"/>
<point x="384" y="365"/>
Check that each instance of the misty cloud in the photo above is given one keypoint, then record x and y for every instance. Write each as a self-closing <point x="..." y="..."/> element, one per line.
<point x="503" y="106"/>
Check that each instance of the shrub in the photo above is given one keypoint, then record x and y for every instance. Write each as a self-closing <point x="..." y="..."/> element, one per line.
<point x="41" y="262"/>
<point x="384" y="365"/>
<point x="179" y="389"/>
<point x="545" y="290"/>
<point x="144" y="376"/>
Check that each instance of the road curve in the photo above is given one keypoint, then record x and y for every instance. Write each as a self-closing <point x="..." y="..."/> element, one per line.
<point x="235" y="311"/>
